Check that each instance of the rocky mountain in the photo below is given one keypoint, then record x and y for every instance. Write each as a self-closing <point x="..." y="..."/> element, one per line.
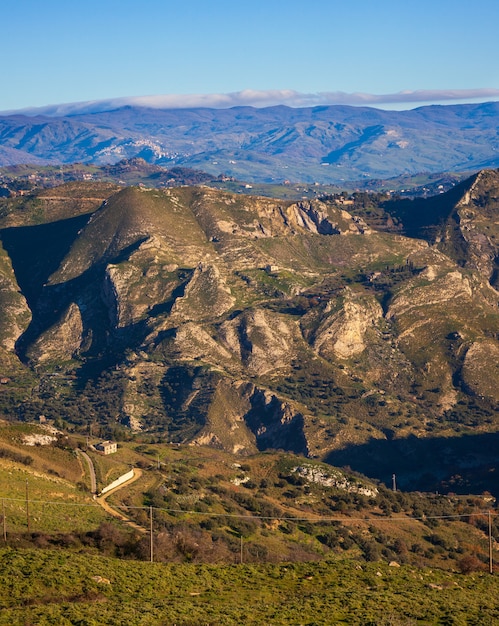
<point x="366" y="337"/>
<point x="328" y="144"/>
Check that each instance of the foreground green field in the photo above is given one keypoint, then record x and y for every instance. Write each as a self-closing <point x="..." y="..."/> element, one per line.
<point x="47" y="587"/>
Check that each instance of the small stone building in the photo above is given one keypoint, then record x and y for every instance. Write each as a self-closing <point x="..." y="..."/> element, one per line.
<point x="107" y="447"/>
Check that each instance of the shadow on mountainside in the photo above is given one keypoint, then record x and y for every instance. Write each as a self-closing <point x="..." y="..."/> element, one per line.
<point x="460" y="464"/>
<point x="37" y="251"/>
<point x="424" y="218"/>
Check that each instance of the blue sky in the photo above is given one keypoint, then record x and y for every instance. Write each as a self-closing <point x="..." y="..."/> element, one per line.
<point x="295" y="52"/>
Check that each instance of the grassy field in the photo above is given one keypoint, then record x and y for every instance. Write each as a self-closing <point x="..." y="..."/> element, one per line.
<point x="260" y="551"/>
<point x="204" y="502"/>
<point x="55" y="505"/>
<point x="42" y="587"/>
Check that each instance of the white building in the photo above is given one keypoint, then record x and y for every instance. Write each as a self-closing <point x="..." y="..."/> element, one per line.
<point x="107" y="447"/>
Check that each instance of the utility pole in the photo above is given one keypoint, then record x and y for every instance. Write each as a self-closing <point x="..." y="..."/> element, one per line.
<point x="151" y="535"/>
<point x="4" y="523"/>
<point x="491" y="562"/>
<point x="27" y="506"/>
<point x="394" y="483"/>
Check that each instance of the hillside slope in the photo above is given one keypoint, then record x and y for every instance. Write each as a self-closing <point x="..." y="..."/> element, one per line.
<point x="207" y="507"/>
<point x="247" y="323"/>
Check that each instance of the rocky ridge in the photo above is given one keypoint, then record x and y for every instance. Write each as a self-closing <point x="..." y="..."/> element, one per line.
<point x="248" y="323"/>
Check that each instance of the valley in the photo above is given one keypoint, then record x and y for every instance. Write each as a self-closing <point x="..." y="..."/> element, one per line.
<point x="305" y="389"/>
<point x="366" y="337"/>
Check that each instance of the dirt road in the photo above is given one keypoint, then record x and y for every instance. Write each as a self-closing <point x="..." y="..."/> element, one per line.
<point x="91" y="470"/>
<point x="137" y="473"/>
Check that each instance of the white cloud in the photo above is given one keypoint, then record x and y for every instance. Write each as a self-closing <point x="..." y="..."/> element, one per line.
<point x="255" y="98"/>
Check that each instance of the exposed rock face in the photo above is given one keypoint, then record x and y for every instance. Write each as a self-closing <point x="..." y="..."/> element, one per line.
<point x="115" y="289"/>
<point x="275" y="423"/>
<point x="15" y="314"/>
<point x="343" y="332"/>
<point x="193" y="342"/>
<point x="481" y="369"/>
<point x="334" y="478"/>
<point x="473" y="230"/>
<point x="262" y="341"/>
<point x="62" y="341"/>
<point x="318" y="218"/>
<point x="452" y="288"/>
<point x="226" y="427"/>
<point x="310" y="217"/>
<point x="425" y="311"/>
<point x="206" y="295"/>
<point x="266" y="218"/>
<point x="133" y="287"/>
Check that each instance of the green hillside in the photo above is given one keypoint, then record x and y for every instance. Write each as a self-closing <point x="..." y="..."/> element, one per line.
<point x="206" y="507"/>
<point x="79" y="589"/>
<point x="292" y="537"/>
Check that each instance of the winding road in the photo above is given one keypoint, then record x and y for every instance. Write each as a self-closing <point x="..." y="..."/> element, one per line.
<point x="91" y="471"/>
<point x="137" y="473"/>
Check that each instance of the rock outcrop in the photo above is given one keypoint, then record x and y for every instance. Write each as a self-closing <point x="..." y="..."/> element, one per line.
<point x="206" y="296"/>
<point x="481" y="369"/>
<point x="61" y="342"/>
<point x="262" y="341"/>
<point x="15" y="314"/>
<point x="344" y="331"/>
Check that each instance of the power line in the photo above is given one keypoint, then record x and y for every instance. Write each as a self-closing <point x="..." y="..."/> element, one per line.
<point x="319" y="520"/>
<point x="345" y="520"/>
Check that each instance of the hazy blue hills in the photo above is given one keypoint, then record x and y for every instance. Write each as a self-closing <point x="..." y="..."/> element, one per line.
<point x="325" y="144"/>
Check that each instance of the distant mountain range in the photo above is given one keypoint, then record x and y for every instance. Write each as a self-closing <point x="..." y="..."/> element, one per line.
<point x="327" y="144"/>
